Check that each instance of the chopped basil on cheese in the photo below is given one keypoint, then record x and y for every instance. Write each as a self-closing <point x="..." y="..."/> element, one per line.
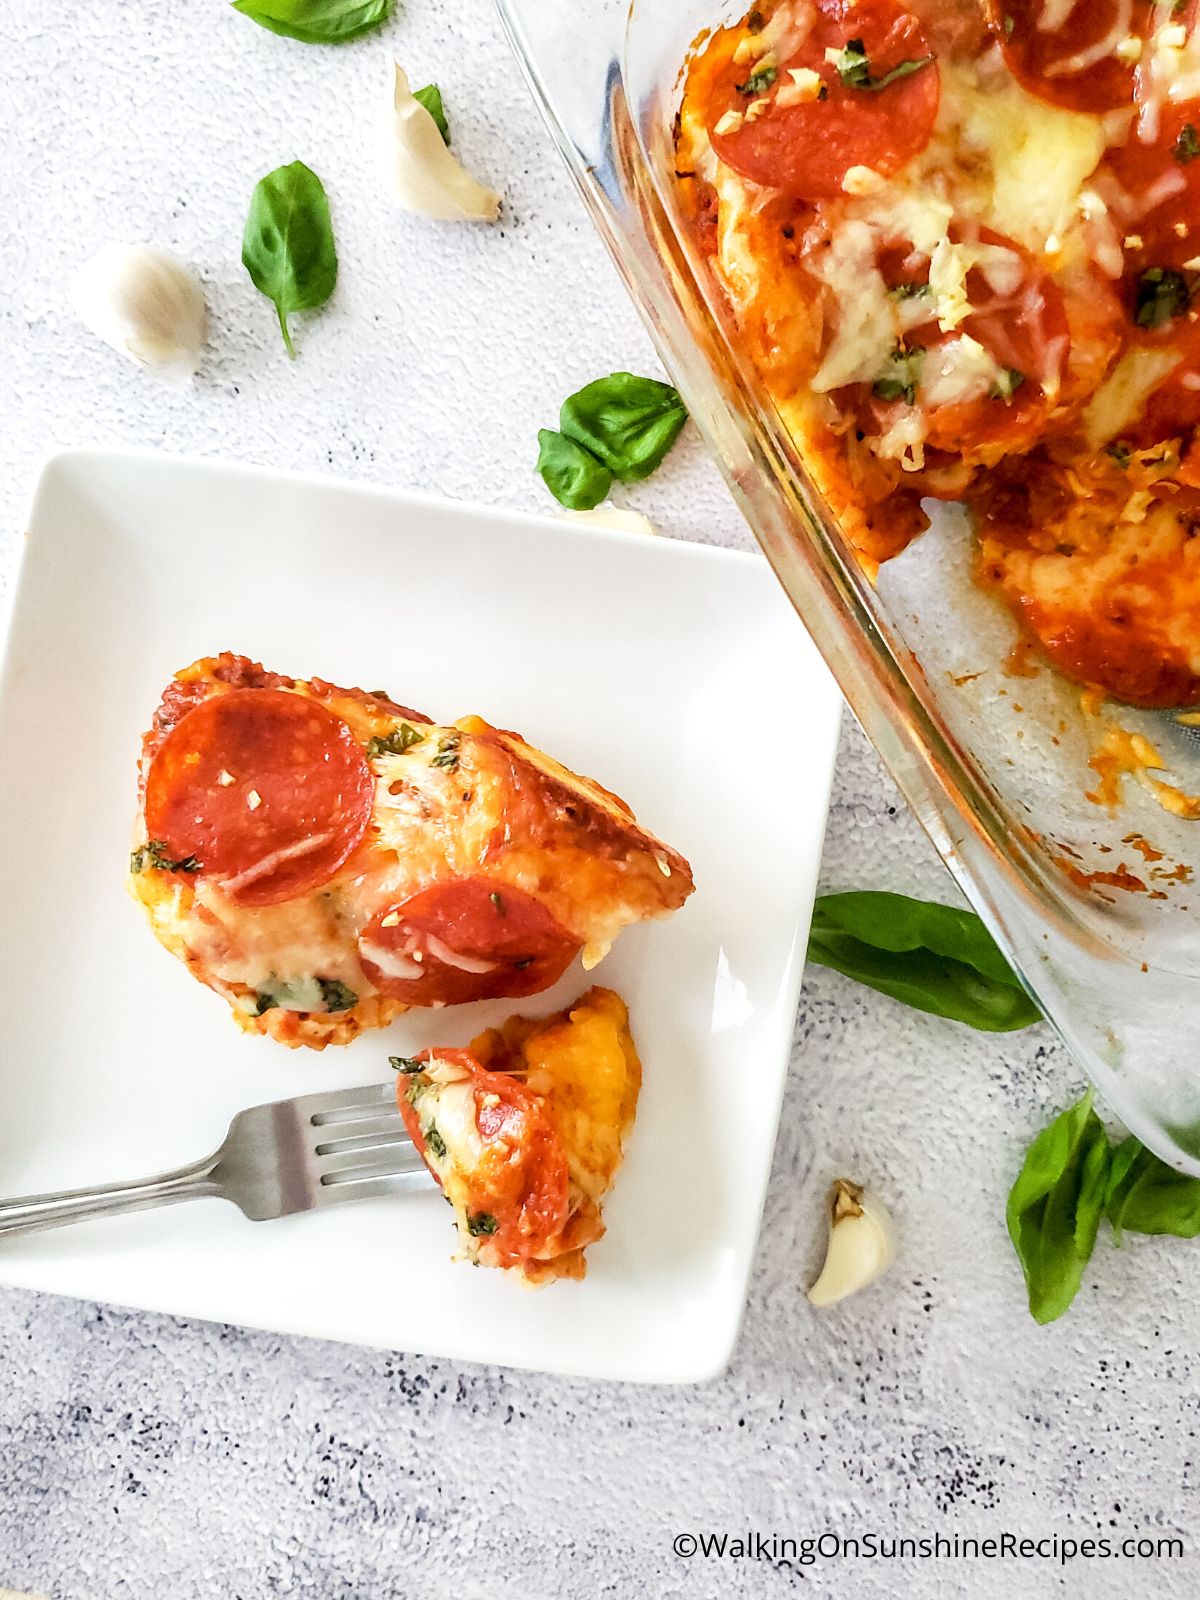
<point x="337" y="996"/>
<point x="959" y="371"/>
<point x="434" y="1140"/>
<point x="408" y="1065"/>
<point x="854" y="67"/>
<point x="1162" y="295"/>
<point x="304" y="994"/>
<point x="762" y="79"/>
<point x="447" y="752"/>
<point x="1007" y="384"/>
<point x="154" y="854"/>
<point x="395" y="743"/>
<point x="899" y="382"/>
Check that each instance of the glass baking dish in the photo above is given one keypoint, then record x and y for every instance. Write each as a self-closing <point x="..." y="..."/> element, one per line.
<point x="993" y="762"/>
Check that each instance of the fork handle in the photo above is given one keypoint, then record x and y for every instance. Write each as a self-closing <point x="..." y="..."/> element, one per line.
<point x="31" y="1213"/>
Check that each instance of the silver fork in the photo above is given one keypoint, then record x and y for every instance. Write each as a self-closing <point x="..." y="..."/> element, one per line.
<point x="292" y="1155"/>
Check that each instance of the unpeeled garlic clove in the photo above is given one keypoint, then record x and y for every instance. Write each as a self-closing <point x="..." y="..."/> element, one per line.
<point x="861" y="1244"/>
<point x="423" y="174"/>
<point x="619" y="517"/>
<point x="145" y="303"/>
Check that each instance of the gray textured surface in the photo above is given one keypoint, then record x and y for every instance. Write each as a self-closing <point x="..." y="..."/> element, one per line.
<point x="140" y="1455"/>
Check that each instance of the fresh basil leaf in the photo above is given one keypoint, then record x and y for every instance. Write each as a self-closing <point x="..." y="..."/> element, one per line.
<point x="1187" y="146"/>
<point x="932" y="957"/>
<point x="288" y="247"/>
<point x="317" y="21"/>
<point x="572" y="474"/>
<point x="431" y="98"/>
<point x="628" y="423"/>
<point x="1145" y="1195"/>
<point x="1055" y="1206"/>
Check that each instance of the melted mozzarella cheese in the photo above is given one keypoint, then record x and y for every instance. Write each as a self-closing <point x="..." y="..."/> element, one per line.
<point x="1170" y="74"/>
<point x="787" y="28"/>
<point x="861" y="343"/>
<point x="391" y="963"/>
<point x="904" y="441"/>
<point x="593" y="1081"/>
<point x="265" y="946"/>
<point x="1039" y="156"/>
<point x="450" y="1105"/>
<point x="918" y="213"/>
<point x="1120" y="398"/>
<point x="957" y="372"/>
<point x="738" y="262"/>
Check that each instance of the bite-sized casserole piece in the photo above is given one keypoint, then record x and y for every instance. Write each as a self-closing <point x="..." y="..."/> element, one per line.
<point x="961" y="243"/>
<point x="326" y="858"/>
<point x="525" y="1131"/>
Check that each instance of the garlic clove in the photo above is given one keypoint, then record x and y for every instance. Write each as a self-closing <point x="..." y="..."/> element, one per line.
<point x="618" y="517"/>
<point x="145" y="303"/>
<point x="421" y="171"/>
<point x="861" y="1244"/>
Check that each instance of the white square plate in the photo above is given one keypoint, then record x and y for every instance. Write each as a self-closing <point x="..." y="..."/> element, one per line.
<point x="675" y="673"/>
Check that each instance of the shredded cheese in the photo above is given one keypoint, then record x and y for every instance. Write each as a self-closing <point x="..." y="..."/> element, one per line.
<point x="1039" y="155"/>
<point x="862" y="342"/>
<point x="803" y="86"/>
<point x="957" y="372"/>
<point x="1120" y="398"/>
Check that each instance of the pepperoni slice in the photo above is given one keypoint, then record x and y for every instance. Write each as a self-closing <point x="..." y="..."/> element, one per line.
<point x="270" y="791"/>
<point x="1024" y="329"/>
<point x="462" y="940"/>
<point x="1161" y="178"/>
<point x="519" y="1182"/>
<point x="1019" y="317"/>
<point x="1064" y="51"/>
<point x="1172" y="409"/>
<point x="806" y="146"/>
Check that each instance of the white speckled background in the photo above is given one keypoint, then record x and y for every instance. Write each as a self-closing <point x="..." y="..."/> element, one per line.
<point x="144" y="1456"/>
